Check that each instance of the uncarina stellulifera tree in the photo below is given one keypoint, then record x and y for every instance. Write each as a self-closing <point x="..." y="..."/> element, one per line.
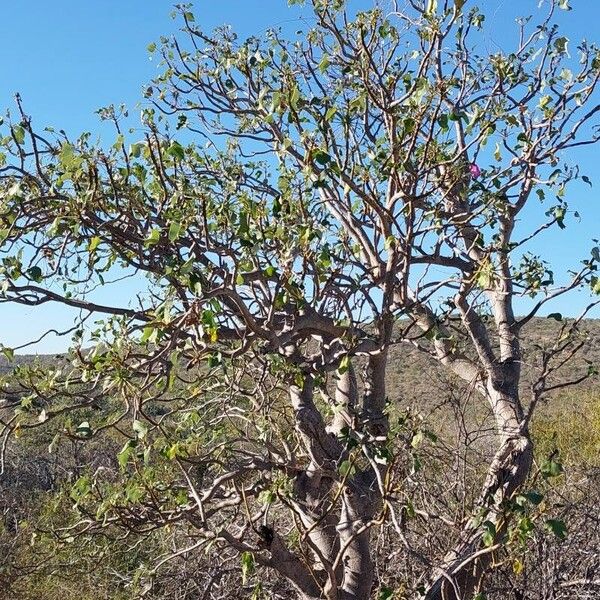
<point x="291" y="212"/>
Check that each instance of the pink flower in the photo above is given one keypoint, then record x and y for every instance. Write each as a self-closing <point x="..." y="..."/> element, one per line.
<point x="474" y="170"/>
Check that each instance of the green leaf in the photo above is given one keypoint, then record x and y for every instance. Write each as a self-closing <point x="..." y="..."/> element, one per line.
<point x="214" y="359"/>
<point x="94" y="243"/>
<point x="119" y="142"/>
<point x="35" y="273"/>
<point x="174" y="451"/>
<point x="267" y="497"/>
<point x="408" y="124"/>
<point x="125" y="453"/>
<point x="525" y="526"/>
<point x="557" y="527"/>
<point x="566" y="74"/>
<point x="151" y="47"/>
<point x="533" y="497"/>
<point x="385" y="593"/>
<point x="561" y="45"/>
<point x="276" y="207"/>
<point x="174" y="231"/>
<point x="134" y="493"/>
<point x="276" y="100"/>
<point x="176" y="151"/>
<point x="146" y="334"/>
<point x="559" y="213"/>
<point x="497" y="154"/>
<point x="135" y="150"/>
<point x="489" y="534"/>
<point x="344" y="364"/>
<point x="153" y="237"/>
<point x="485" y="275"/>
<point x="9" y="353"/>
<point x="544" y="101"/>
<point x="84" y="430"/>
<point x="346" y="468"/>
<point x="81" y="488"/>
<point x="551" y="468"/>
<point x="19" y="134"/>
<point x="247" y="566"/>
<point x="330" y="113"/>
<point x="564" y="5"/>
<point x="322" y="157"/>
<point x="324" y="63"/>
<point x="417" y="439"/>
<point x="295" y="97"/>
<point x="556" y="316"/>
<point x="140" y="428"/>
<point x="244" y="225"/>
<point x="67" y="158"/>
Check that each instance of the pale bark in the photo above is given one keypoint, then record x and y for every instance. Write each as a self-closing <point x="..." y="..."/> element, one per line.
<point x="340" y="536"/>
<point x="357" y="509"/>
<point x="467" y="562"/>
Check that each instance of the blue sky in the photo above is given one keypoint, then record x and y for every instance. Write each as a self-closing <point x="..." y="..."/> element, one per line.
<point x="67" y="58"/>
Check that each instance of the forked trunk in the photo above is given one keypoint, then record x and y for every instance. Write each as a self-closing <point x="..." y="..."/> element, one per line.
<point x="464" y="566"/>
<point x="466" y="563"/>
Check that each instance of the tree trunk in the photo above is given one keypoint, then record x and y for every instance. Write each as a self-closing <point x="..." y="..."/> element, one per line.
<point x="339" y="539"/>
<point x="358" y="507"/>
<point x="465" y="565"/>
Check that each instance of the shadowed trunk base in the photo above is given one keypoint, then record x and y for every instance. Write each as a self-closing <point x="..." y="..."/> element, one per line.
<point x="466" y="564"/>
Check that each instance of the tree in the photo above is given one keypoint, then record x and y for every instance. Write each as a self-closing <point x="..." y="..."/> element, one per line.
<point x="293" y="211"/>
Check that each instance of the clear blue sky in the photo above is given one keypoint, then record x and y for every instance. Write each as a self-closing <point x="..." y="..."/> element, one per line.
<point x="67" y="58"/>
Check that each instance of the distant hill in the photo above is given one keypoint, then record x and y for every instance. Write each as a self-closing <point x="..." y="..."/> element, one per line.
<point x="26" y="359"/>
<point x="414" y="376"/>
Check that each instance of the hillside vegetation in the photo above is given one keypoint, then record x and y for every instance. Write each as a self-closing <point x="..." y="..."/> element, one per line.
<point x="40" y="487"/>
